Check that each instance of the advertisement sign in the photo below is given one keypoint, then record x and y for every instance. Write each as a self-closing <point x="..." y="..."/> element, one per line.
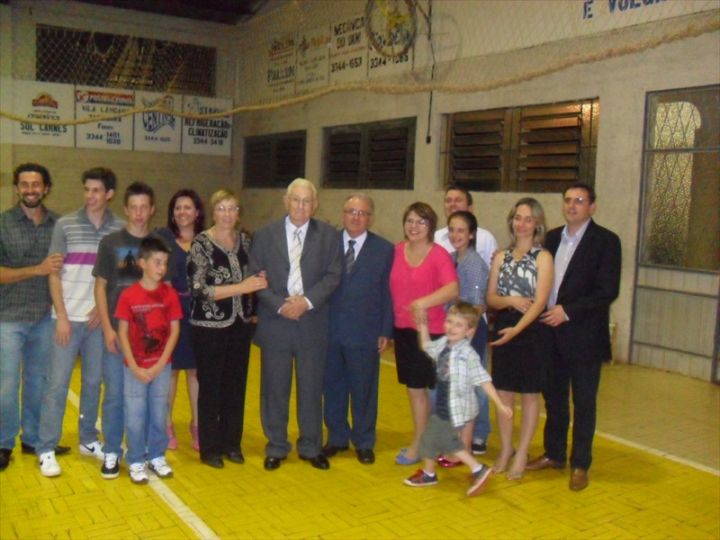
<point x="158" y="131"/>
<point x="109" y="134"/>
<point x="44" y="101"/>
<point x="211" y="136"/>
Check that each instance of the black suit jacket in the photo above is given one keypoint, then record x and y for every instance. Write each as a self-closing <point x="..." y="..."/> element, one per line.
<point x="591" y="283"/>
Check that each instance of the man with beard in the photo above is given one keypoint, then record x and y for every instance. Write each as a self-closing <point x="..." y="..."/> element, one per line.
<point x="25" y="325"/>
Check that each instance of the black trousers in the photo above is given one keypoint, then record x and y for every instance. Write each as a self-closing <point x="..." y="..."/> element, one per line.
<point x="571" y="370"/>
<point x="222" y="356"/>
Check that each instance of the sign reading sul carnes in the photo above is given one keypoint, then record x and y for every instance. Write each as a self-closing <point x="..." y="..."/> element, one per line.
<point x="112" y="134"/>
<point x="281" y="66"/>
<point x="211" y="136"/>
<point x="158" y="131"/>
<point x="348" y="50"/>
<point x="43" y="101"/>
<point x="312" y="60"/>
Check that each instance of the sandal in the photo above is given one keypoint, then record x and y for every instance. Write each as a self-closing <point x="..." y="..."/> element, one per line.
<point x="402" y="459"/>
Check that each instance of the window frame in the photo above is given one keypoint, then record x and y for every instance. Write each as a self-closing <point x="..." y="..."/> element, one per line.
<point x="273" y="173"/>
<point x="355" y="156"/>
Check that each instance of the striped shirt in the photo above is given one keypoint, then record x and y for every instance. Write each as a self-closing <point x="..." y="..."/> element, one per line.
<point x="77" y="239"/>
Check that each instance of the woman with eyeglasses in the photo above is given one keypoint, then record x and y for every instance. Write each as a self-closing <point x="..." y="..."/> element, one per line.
<point x="422" y="281"/>
<point x="221" y="330"/>
<point x="521" y="278"/>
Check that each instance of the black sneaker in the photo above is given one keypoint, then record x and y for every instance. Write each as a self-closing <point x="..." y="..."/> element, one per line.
<point x="111" y="467"/>
<point x="479" y="449"/>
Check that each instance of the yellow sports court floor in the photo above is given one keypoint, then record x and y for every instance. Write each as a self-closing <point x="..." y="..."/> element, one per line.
<point x="655" y="475"/>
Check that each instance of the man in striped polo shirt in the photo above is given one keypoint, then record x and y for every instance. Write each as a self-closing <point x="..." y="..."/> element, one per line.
<point x="77" y="236"/>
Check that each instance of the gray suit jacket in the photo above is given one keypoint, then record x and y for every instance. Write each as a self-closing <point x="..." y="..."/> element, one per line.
<point x="321" y="267"/>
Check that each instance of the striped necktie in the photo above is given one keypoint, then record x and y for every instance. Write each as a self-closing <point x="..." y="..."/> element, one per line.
<point x="350" y="255"/>
<point x="295" y="286"/>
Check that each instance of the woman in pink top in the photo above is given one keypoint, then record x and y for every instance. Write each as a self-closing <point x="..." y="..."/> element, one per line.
<point x="422" y="281"/>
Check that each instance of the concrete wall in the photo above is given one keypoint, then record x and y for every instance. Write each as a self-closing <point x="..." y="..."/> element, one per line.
<point x="464" y="30"/>
<point x="165" y="172"/>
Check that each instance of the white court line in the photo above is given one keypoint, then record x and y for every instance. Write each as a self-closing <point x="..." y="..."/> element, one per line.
<point x="637" y="446"/>
<point x="183" y="511"/>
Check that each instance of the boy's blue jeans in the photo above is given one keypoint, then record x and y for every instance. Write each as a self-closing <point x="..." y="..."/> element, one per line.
<point x="482" y="420"/>
<point x="146" y="415"/>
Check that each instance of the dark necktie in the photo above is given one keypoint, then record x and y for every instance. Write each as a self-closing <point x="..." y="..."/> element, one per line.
<point x="350" y="255"/>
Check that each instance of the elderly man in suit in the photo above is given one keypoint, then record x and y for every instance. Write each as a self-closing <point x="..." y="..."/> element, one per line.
<point x="303" y="264"/>
<point x="587" y="279"/>
<point x="361" y="325"/>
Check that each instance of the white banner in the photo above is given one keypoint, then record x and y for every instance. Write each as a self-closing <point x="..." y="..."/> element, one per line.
<point x="158" y="131"/>
<point x="312" y="60"/>
<point x="213" y="136"/>
<point x="113" y="134"/>
<point x="43" y="101"/>
<point x="348" y="50"/>
<point x="281" y="66"/>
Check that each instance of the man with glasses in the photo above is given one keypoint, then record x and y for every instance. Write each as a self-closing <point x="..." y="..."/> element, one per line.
<point x="361" y="325"/>
<point x="303" y="264"/>
<point x="587" y="280"/>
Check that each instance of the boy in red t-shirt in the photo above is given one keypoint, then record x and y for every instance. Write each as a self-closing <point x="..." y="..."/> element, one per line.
<point x="148" y="313"/>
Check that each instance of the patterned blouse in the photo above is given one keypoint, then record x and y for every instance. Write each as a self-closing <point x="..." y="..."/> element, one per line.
<point x="208" y="266"/>
<point x="518" y="278"/>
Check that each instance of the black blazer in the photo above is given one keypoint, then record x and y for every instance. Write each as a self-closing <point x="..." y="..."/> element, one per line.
<point x="591" y="283"/>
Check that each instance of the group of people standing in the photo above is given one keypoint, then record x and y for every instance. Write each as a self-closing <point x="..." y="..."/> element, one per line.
<point x="320" y="303"/>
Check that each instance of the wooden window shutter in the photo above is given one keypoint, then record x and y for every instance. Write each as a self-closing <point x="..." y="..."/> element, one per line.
<point x="556" y="145"/>
<point x="274" y="160"/>
<point x="475" y="150"/>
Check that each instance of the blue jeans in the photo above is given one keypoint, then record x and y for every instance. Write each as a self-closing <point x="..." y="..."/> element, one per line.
<point x="24" y="349"/>
<point x="482" y="420"/>
<point x="89" y="343"/>
<point x="145" y="415"/>
<point x="113" y="417"/>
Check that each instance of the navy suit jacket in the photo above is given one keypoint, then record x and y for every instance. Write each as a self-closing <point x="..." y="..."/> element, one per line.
<point x="361" y="307"/>
<point x="321" y="267"/>
<point x="590" y="284"/>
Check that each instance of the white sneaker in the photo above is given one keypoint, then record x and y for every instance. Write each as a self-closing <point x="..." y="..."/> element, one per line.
<point x="160" y="467"/>
<point x="138" y="474"/>
<point x="48" y="465"/>
<point x="94" y="449"/>
<point x="111" y="466"/>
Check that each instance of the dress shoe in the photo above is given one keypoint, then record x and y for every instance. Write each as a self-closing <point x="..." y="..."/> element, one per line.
<point x="214" y="461"/>
<point x="272" y="463"/>
<point x="366" y="456"/>
<point x="329" y="450"/>
<point x="578" y="479"/>
<point x="236" y="456"/>
<point x="543" y="462"/>
<point x="319" y="461"/>
<point x="59" y="450"/>
<point x="4" y="458"/>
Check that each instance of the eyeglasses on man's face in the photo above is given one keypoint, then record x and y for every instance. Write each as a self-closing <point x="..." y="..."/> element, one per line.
<point x="357" y="213"/>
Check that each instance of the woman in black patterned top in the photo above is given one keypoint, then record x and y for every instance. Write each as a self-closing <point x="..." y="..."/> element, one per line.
<point x="221" y="333"/>
<point x="521" y="279"/>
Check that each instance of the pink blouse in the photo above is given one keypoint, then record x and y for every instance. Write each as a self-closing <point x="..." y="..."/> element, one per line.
<point x="408" y="283"/>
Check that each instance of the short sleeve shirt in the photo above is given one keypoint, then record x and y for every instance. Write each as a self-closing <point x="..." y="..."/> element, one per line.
<point x="408" y="283"/>
<point x="22" y="244"/>
<point x="149" y="314"/>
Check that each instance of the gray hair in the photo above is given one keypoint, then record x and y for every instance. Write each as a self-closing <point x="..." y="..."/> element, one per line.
<point x="301" y="182"/>
<point x="363" y="197"/>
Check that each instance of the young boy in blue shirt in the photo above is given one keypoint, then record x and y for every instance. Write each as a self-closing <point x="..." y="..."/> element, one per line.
<point x="458" y="371"/>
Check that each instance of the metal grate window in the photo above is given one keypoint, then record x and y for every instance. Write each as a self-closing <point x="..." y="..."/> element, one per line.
<point x="376" y="155"/>
<point x="273" y="161"/>
<point x="65" y="55"/>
